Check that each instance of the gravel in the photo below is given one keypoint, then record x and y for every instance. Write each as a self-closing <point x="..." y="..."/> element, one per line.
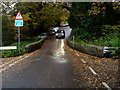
<point x="107" y="70"/>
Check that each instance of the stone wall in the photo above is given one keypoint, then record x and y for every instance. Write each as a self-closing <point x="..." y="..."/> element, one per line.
<point x="88" y="49"/>
<point x="34" y="46"/>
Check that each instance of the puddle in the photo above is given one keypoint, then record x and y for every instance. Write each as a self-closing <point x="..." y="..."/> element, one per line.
<point x="60" y="50"/>
<point x="59" y="54"/>
<point x="59" y="59"/>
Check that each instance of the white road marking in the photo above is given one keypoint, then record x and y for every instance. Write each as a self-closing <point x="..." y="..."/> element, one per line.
<point x="92" y="71"/>
<point x="10" y="64"/>
<point x="95" y="74"/>
<point x="77" y="54"/>
<point x="106" y="86"/>
<point x="13" y="61"/>
<point x="83" y="61"/>
<point x="7" y="63"/>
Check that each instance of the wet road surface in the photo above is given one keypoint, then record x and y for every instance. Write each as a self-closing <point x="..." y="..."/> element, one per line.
<point x="50" y="68"/>
<point x="56" y="65"/>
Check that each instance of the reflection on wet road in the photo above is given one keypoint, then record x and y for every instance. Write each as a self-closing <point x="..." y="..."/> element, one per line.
<point x="50" y="68"/>
<point x="59" y="53"/>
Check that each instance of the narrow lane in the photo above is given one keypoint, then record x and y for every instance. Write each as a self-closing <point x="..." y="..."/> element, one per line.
<point x="50" y="68"/>
<point x="56" y="65"/>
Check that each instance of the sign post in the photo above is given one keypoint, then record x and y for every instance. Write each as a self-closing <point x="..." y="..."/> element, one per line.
<point x="19" y="40"/>
<point x="73" y="41"/>
<point x="19" y="23"/>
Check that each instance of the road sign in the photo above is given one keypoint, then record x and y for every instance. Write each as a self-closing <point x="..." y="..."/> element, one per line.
<point x="18" y="23"/>
<point x="19" y="20"/>
<point x="19" y="16"/>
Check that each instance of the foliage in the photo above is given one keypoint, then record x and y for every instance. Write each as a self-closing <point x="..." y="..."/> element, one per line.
<point x="97" y="24"/>
<point x="78" y="12"/>
<point x="50" y="16"/>
<point x="38" y="18"/>
<point x="37" y="39"/>
<point x="8" y="29"/>
<point x="110" y="40"/>
<point x="11" y="53"/>
<point x="110" y="29"/>
<point x="113" y="52"/>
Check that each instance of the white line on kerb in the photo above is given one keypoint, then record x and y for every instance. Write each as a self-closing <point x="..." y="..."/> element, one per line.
<point x="10" y="62"/>
<point x="92" y="71"/>
<point x="106" y="86"/>
<point x="83" y="61"/>
<point x="8" y="47"/>
<point x="6" y="63"/>
<point x="13" y="63"/>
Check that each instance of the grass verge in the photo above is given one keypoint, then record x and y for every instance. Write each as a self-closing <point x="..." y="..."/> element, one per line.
<point x="12" y="53"/>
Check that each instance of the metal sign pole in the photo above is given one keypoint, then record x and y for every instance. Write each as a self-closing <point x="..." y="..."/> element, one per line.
<point x="73" y="41"/>
<point x="19" y="40"/>
<point x="19" y="23"/>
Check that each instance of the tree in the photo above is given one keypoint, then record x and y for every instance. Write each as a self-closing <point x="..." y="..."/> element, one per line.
<point x="90" y="17"/>
<point x="37" y="17"/>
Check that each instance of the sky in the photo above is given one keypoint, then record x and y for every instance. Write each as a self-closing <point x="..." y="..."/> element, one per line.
<point x="8" y="8"/>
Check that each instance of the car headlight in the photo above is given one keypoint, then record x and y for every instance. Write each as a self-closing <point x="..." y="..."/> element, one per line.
<point x="56" y="33"/>
<point x="62" y="33"/>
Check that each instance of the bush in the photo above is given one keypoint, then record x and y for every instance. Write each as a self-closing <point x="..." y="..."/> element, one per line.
<point x="110" y="36"/>
<point x="107" y="29"/>
<point x="8" y="30"/>
<point x="10" y="53"/>
<point x="80" y="33"/>
<point x="37" y="38"/>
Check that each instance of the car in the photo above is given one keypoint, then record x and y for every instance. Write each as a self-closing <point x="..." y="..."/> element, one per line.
<point x="51" y="32"/>
<point x="60" y="34"/>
